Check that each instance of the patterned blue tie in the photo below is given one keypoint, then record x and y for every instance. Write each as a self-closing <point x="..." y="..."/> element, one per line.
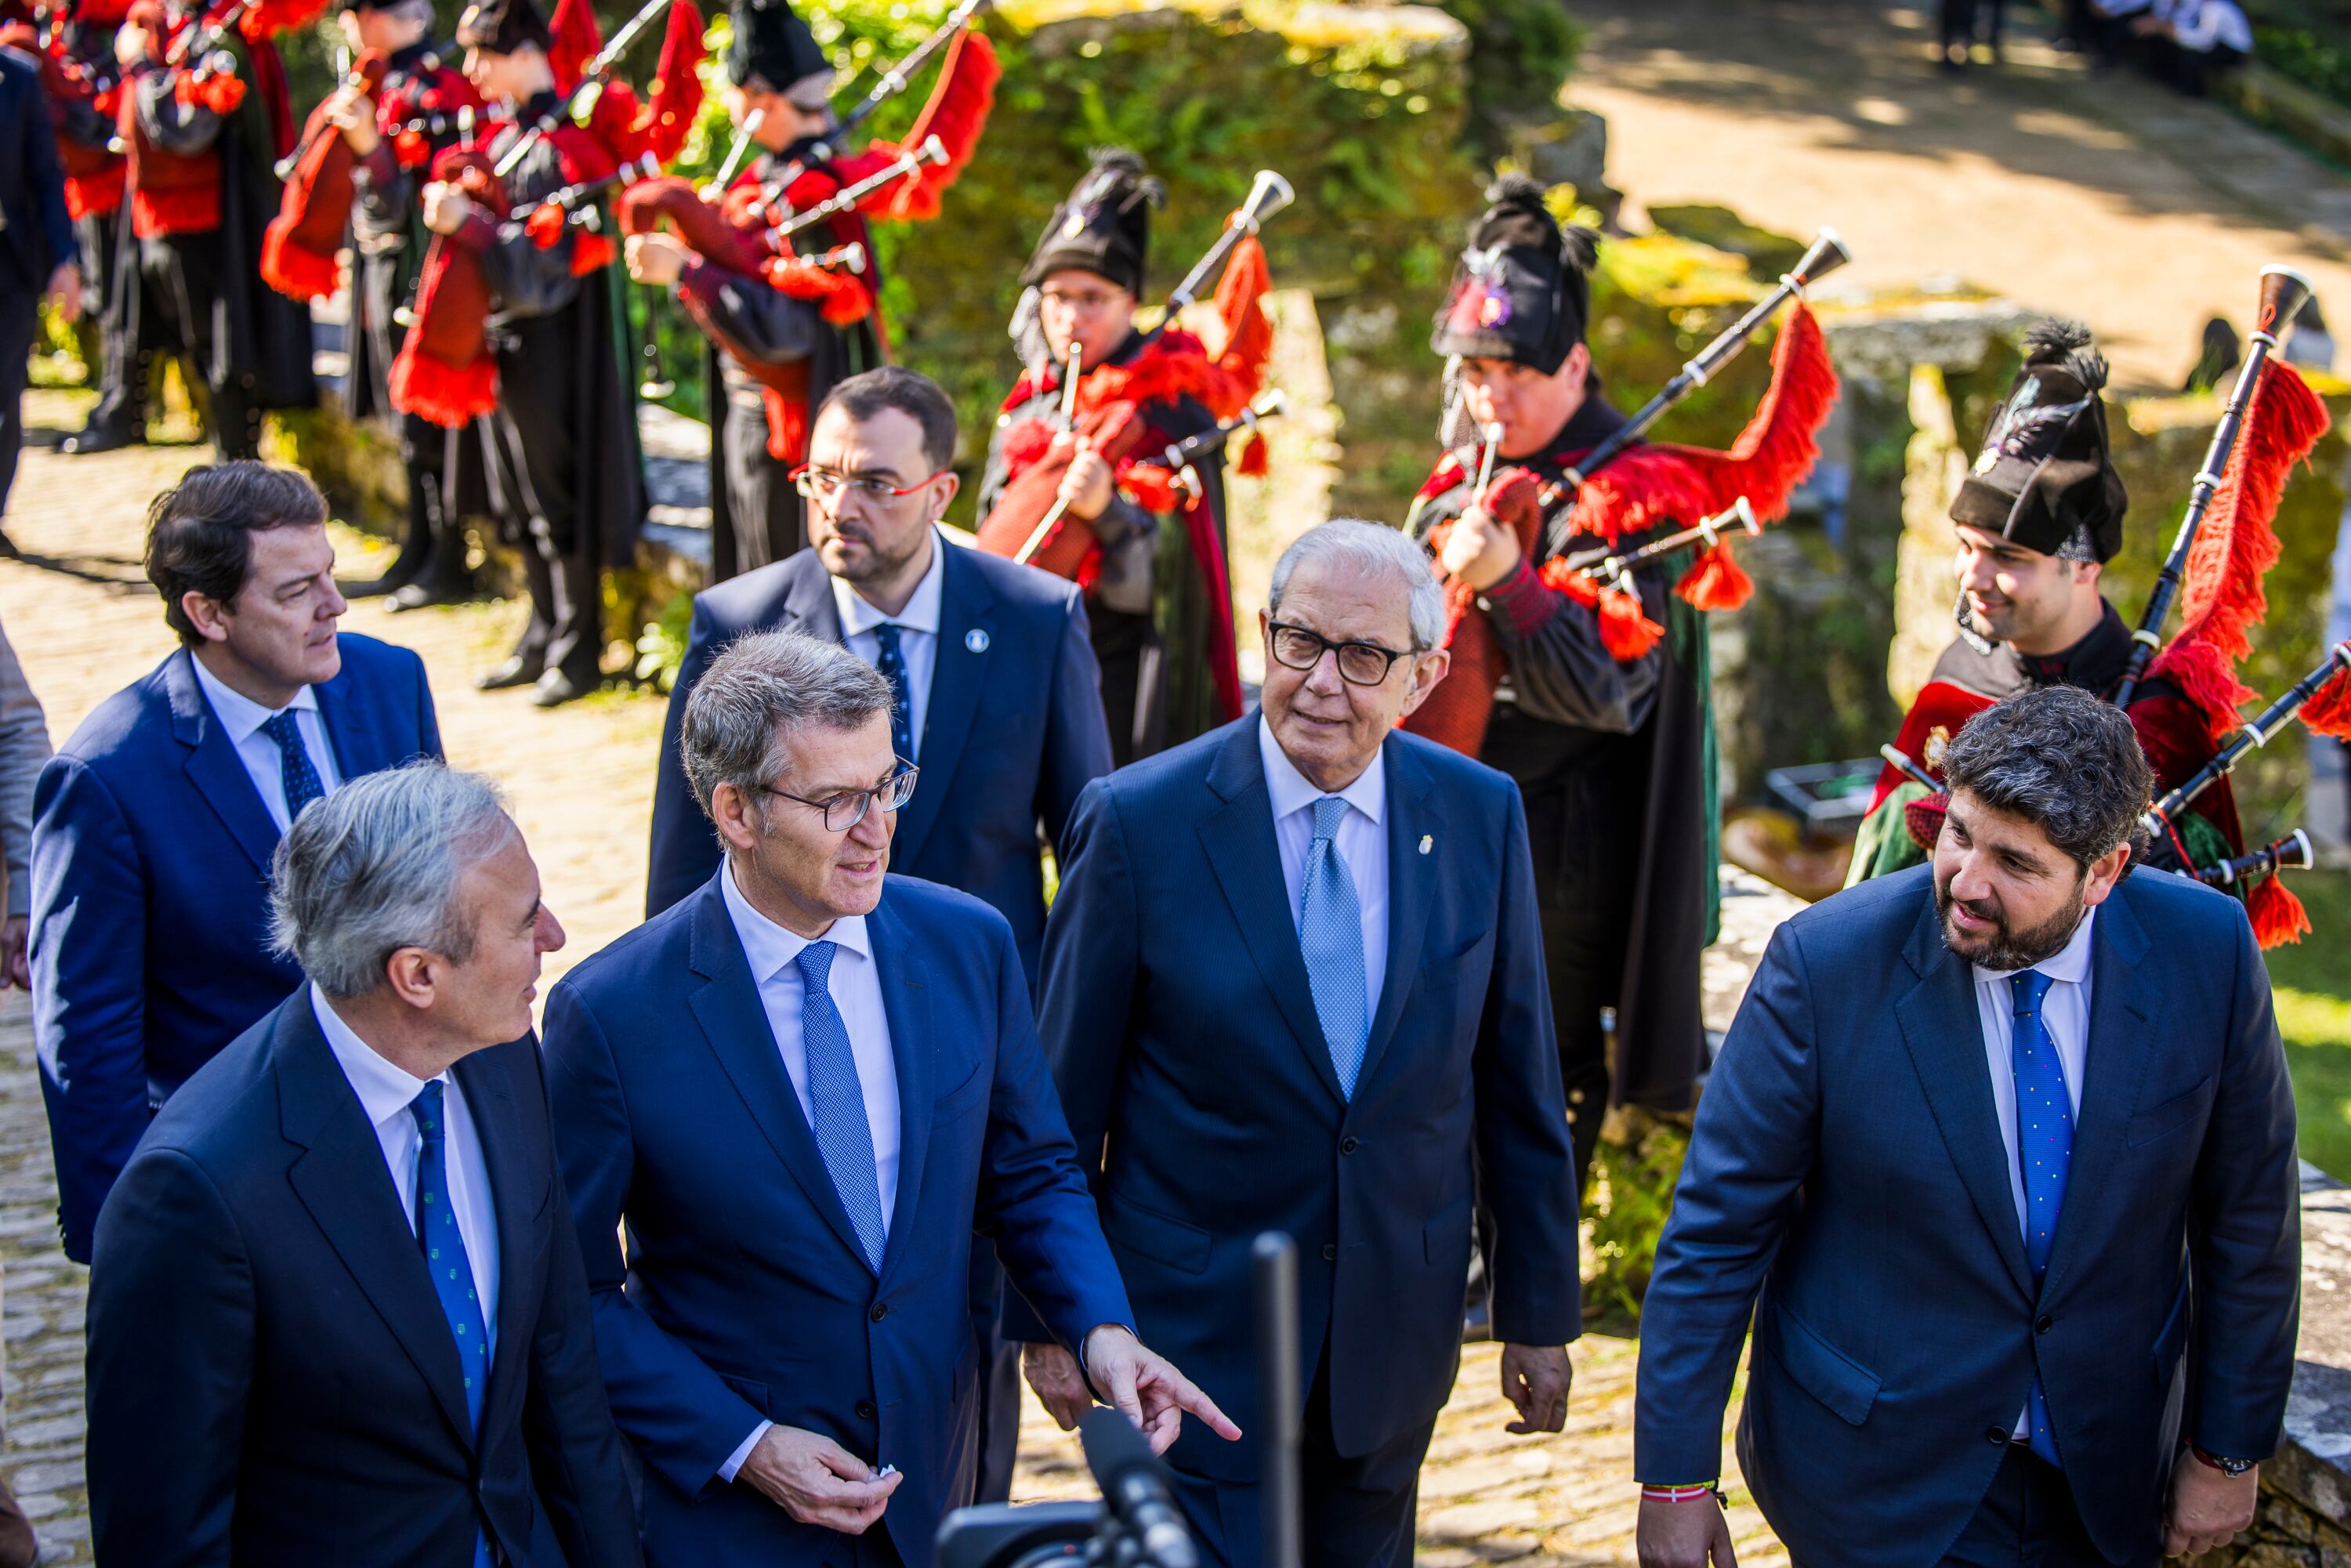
<point x="445" y="1260"/>
<point x="2044" y="1148"/>
<point x="837" y="1102"/>
<point x="1331" y="937"/>
<point x="294" y="770"/>
<point x="892" y="665"/>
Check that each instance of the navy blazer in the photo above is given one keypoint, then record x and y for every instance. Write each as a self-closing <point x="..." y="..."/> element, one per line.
<point x="744" y="1295"/>
<point x="1848" y="1164"/>
<point x="37" y="234"/>
<point x="151" y="897"/>
<point x="1180" y="1025"/>
<point x="1013" y="729"/>
<point x="273" y="1383"/>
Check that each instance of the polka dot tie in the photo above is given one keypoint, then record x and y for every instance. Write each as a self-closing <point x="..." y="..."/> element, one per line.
<point x="295" y="772"/>
<point x="2044" y="1149"/>
<point x="1331" y="937"/>
<point x="892" y="663"/>
<point x="444" y="1249"/>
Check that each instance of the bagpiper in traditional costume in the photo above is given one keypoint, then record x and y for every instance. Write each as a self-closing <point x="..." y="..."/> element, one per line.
<point x="204" y="117"/>
<point x="515" y="327"/>
<point x="2039" y="514"/>
<point x="785" y="324"/>
<point x="1597" y="702"/>
<point x="364" y="152"/>
<point x="1151" y="556"/>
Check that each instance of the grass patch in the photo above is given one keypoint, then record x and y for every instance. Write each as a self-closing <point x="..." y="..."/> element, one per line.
<point x="2312" y="982"/>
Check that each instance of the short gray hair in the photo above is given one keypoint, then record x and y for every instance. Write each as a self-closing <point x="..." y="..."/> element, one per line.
<point x="1370" y="549"/>
<point x="2062" y="758"/>
<point x="374" y="867"/>
<point x="764" y="687"/>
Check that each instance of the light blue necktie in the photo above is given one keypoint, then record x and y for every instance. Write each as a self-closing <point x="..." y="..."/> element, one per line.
<point x="891" y="664"/>
<point x="837" y="1102"/>
<point x="2044" y="1149"/>
<point x="295" y="770"/>
<point x="1331" y="937"/>
<point x="445" y="1260"/>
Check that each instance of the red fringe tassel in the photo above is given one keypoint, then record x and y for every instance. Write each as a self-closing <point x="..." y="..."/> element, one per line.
<point x="1716" y="580"/>
<point x="448" y="395"/>
<point x="956" y="113"/>
<point x="674" y="99"/>
<point x="2277" y="915"/>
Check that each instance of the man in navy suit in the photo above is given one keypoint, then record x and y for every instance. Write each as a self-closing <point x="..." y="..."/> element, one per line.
<point x="1999" y="1156"/>
<point x="801" y="1089"/>
<point x="152" y="829"/>
<point x="337" y="1314"/>
<point x="1294" y="976"/>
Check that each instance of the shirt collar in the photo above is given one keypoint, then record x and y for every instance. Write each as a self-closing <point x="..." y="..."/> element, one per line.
<point x="239" y="714"/>
<point x="2070" y="964"/>
<point x="1293" y="791"/>
<point x="922" y="612"/>
<point x="770" y="948"/>
<point x="384" y="1090"/>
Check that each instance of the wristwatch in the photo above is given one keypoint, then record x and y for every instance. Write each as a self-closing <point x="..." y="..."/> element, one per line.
<point x="2229" y="1468"/>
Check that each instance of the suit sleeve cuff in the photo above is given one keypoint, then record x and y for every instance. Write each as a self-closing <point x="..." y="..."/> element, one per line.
<point x="726" y="1472"/>
<point x="1521" y="600"/>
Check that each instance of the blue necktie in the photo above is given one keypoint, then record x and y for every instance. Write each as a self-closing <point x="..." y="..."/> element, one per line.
<point x="1331" y="937"/>
<point x="892" y="665"/>
<point x="2044" y="1148"/>
<point x="445" y="1260"/>
<point x="294" y="770"/>
<point x="837" y="1103"/>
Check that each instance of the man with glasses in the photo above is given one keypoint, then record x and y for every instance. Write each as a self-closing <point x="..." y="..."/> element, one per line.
<point x="801" y="1087"/>
<point x="1307" y="942"/>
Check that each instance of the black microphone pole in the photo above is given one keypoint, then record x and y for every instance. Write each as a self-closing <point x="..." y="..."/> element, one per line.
<point x="1135" y="1487"/>
<point x="1273" y="1281"/>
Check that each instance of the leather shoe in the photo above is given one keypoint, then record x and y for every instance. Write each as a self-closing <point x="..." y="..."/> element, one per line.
<point x="556" y="688"/>
<point x="83" y="442"/>
<point x="516" y="670"/>
<point x="422" y="596"/>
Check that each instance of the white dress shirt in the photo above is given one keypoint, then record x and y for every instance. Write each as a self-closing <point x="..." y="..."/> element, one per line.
<point x="918" y="634"/>
<point x="385" y="1094"/>
<point x="855" y="986"/>
<point x="242" y="718"/>
<point x="2065" y="1013"/>
<point x="1363" y="843"/>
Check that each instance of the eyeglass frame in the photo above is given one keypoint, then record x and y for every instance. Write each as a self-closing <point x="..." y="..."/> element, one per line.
<point x="803" y="475"/>
<point x="906" y="771"/>
<point x="1273" y="630"/>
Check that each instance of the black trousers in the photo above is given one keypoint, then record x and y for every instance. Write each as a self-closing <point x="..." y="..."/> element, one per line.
<point x="999" y="1377"/>
<point x="1958" y="22"/>
<point x="432" y="550"/>
<point x="2026" y="1520"/>
<point x="111" y="256"/>
<point x="20" y="318"/>
<point x="183" y="283"/>
<point x="534" y="463"/>
<point x="1354" y="1511"/>
<point x="762" y="522"/>
<point x="1129" y="652"/>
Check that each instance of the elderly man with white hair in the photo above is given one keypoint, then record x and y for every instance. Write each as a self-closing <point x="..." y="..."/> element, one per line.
<point x="1293" y="981"/>
<point x="336" y="1312"/>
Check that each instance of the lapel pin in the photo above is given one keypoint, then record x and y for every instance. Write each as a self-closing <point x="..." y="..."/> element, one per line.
<point x="1427" y="842"/>
<point x="976" y="639"/>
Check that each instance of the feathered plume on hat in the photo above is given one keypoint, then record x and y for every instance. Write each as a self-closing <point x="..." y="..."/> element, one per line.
<point x="2044" y="478"/>
<point x="1522" y="289"/>
<point x="1104" y="228"/>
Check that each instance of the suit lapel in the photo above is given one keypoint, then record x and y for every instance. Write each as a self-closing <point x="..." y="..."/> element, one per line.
<point x="341" y="1180"/>
<point x="734" y="1020"/>
<point x="808" y="605"/>
<point x="958" y="674"/>
<point x="1413" y="811"/>
<point x="1238" y="840"/>
<point x="213" y="767"/>
<point x="2126" y="999"/>
<point x="514" y="1197"/>
<point x="906" y="1003"/>
<point x="1944" y="1036"/>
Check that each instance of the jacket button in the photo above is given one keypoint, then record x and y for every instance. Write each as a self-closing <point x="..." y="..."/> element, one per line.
<point x="1330" y="1253"/>
<point x="1995" y="1436"/>
<point x="880" y="1309"/>
<point x="865" y="1410"/>
<point x="1348" y="1146"/>
<point x="2044" y="1323"/>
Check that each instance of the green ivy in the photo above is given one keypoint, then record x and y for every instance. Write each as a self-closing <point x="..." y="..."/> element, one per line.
<point x="1625" y="1203"/>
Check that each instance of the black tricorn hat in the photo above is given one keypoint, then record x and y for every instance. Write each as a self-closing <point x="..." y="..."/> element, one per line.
<point x="1522" y="290"/>
<point x="774" y="46"/>
<point x="1104" y="228"/>
<point x="2044" y="479"/>
<point x="502" y="26"/>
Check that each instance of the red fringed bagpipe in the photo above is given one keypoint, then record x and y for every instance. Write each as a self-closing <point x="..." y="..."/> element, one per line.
<point x="955" y="112"/>
<point x="444" y="371"/>
<point x="1649" y="487"/>
<point x="297" y="249"/>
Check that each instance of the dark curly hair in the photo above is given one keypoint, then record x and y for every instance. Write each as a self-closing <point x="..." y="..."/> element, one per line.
<point x="2061" y="758"/>
<point x="199" y="531"/>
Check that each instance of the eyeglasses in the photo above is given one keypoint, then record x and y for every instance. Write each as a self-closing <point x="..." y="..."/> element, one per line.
<point x="1359" y="664"/>
<point x="846" y="810"/>
<point x="823" y="484"/>
<point x="1092" y="302"/>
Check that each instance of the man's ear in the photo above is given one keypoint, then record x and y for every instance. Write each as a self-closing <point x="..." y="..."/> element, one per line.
<point x="208" y="615"/>
<point x="410" y="971"/>
<point x="2103" y="875"/>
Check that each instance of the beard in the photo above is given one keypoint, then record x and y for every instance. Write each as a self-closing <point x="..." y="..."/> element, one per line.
<point x="2005" y="948"/>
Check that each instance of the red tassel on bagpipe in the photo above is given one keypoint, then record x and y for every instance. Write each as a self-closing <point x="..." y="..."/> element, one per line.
<point x="838" y="296"/>
<point x="2328" y="712"/>
<point x="956" y="113"/>
<point x="1240" y="307"/>
<point x="2277" y="915"/>
<point x="674" y="100"/>
<point x="2235" y="546"/>
<point x="576" y="38"/>
<point x="1625" y="629"/>
<point x="1716" y="580"/>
